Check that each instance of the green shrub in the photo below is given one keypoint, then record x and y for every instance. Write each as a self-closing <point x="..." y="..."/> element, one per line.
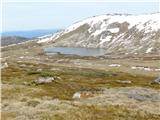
<point x="46" y="74"/>
<point x="33" y="103"/>
<point x="33" y="73"/>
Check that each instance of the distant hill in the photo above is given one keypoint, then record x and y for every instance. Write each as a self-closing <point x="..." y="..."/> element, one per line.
<point x="30" y="33"/>
<point x="8" y="40"/>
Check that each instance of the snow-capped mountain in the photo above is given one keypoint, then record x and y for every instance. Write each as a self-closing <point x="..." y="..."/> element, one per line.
<point x="116" y="32"/>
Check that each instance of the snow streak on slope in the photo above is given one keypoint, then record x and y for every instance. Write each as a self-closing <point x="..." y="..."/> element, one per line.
<point x="151" y="20"/>
<point x="116" y="33"/>
<point x="48" y="38"/>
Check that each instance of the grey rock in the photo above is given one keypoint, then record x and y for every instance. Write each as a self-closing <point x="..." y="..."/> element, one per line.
<point x="124" y="81"/>
<point x="5" y="65"/>
<point x="145" y="97"/>
<point x="156" y="81"/>
<point x="43" y="80"/>
<point x="143" y="94"/>
<point x="77" y="95"/>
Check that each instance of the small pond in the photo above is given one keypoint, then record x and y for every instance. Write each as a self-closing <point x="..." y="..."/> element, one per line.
<point x="76" y="51"/>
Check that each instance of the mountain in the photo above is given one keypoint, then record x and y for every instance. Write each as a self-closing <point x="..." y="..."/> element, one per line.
<point x="117" y="33"/>
<point x="8" y="40"/>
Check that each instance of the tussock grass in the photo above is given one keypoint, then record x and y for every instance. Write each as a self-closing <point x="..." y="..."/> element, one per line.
<point x="33" y="103"/>
<point x="72" y="80"/>
<point x="7" y="115"/>
<point x="94" y="112"/>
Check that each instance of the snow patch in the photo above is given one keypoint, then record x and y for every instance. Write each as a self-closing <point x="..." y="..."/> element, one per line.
<point x="99" y="24"/>
<point x="45" y="36"/>
<point x="149" y="50"/>
<point x="48" y="38"/>
<point x="114" y="30"/>
<point x="150" y="21"/>
<point x="97" y="32"/>
<point x="44" y="40"/>
<point x="107" y="39"/>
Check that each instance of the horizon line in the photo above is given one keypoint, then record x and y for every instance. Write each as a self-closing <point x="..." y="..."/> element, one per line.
<point x="87" y="1"/>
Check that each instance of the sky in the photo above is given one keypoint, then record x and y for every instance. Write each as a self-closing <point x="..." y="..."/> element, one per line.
<point x="21" y="15"/>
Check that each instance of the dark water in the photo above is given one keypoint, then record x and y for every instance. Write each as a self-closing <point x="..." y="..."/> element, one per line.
<point x="77" y="51"/>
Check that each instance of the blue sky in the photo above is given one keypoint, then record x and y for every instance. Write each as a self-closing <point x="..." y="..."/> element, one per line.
<point x="20" y="15"/>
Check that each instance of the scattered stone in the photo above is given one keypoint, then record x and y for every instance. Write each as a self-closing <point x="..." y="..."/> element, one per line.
<point x="124" y="81"/>
<point x="59" y="78"/>
<point x="141" y="68"/>
<point x="133" y="67"/>
<point x="27" y="83"/>
<point x="157" y="69"/>
<point x="5" y="105"/>
<point x="144" y="97"/>
<point x="23" y="65"/>
<point x="137" y="67"/>
<point x="5" y="65"/>
<point x="39" y="70"/>
<point x="77" y="95"/>
<point x="114" y="65"/>
<point x="21" y="57"/>
<point x="30" y="66"/>
<point x="84" y="94"/>
<point x="43" y="80"/>
<point x="26" y="52"/>
<point x="147" y="69"/>
<point x="156" y="81"/>
<point x="54" y="69"/>
<point x="47" y="98"/>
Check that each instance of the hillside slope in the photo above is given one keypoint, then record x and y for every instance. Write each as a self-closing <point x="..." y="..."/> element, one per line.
<point x="118" y="33"/>
<point x="8" y="40"/>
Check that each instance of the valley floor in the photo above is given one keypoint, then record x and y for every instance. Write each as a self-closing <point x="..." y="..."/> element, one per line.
<point x="84" y="88"/>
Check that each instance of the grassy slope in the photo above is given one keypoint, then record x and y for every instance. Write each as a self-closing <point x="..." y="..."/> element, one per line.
<point x="18" y="87"/>
<point x="70" y="81"/>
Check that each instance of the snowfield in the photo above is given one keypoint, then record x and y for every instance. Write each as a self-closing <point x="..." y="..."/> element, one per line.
<point x="151" y="20"/>
<point x="131" y="34"/>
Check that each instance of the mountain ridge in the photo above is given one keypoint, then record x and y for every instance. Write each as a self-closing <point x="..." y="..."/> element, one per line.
<point x="116" y="33"/>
